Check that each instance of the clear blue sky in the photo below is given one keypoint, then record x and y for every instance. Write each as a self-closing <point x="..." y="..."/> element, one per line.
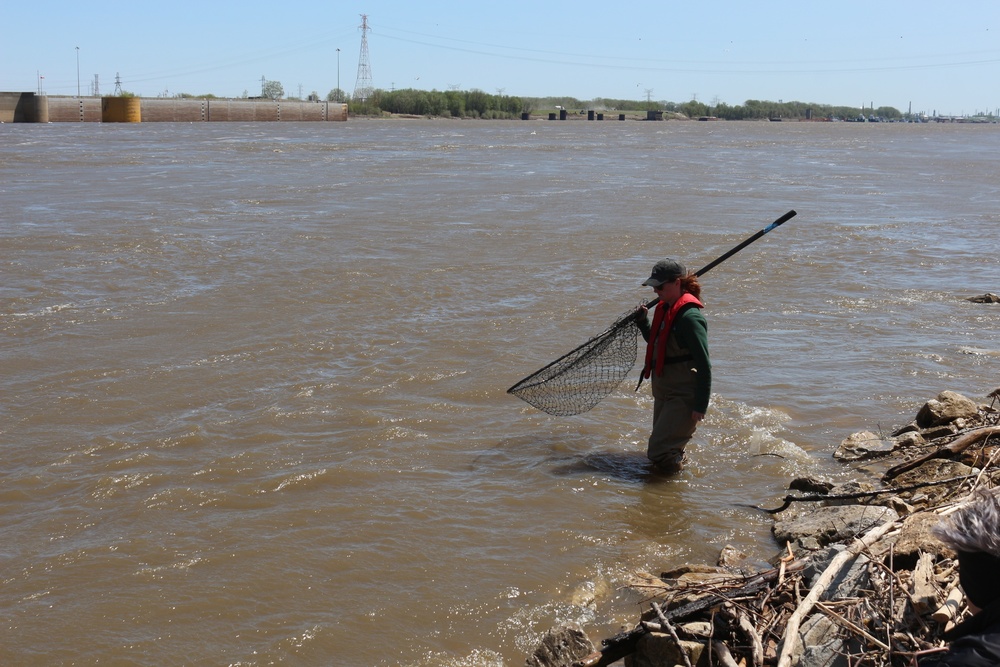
<point x="937" y="56"/>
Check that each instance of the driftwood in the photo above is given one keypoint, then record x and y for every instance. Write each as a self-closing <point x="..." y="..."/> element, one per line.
<point x="721" y="652"/>
<point x="756" y="645"/>
<point x="832" y="570"/>
<point x="956" y="446"/>
<point x="924" y="591"/>
<point x="951" y="609"/>
<point x="624" y="643"/>
<point x="673" y="633"/>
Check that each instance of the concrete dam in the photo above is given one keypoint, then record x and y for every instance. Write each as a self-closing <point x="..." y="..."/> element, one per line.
<point x="32" y="108"/>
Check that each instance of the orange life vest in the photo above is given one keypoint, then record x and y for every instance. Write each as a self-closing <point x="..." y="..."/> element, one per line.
<point x="663" y="321"/>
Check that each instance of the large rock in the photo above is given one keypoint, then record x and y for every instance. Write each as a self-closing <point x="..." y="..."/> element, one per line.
<point x="735" y="560"/>
<point x="826" y="525"/>
<point x="931" y="471"/>
<point x="810" y="485"/>
<point x="863" y="445"/>
<point x="658" y="649"/>
<point x="847" y="583"/>
<point x="909" y="439"/>
<point x="820" y="644"/>
<point x="937" y="432"/>
<point x="851" y="488"/>
<point x="692" y="578"/>
<point x="561" y="647"/>
<point x="915" y="537"/>
<point x="945" y="409"/>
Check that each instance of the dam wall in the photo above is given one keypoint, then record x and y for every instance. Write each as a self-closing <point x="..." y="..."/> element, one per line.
<point x="32" y="108"/>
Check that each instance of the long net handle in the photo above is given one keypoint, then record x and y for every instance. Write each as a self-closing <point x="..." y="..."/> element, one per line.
<point x="719" y="260"/>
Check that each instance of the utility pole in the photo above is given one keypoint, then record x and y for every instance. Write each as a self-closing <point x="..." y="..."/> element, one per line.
<point x="78" y="71"/>
<point x="363" y="87"/>
<point x="338" y="76"/>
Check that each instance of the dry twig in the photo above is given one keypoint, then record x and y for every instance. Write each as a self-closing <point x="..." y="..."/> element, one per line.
<point x="822" y="583"/>
<point x="665" y="622"/>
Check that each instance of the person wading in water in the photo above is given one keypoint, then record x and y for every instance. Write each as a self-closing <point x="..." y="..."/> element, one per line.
<point x="677" y="362"/>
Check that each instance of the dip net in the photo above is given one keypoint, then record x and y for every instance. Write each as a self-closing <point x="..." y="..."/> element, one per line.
<point x="579" y="380"/>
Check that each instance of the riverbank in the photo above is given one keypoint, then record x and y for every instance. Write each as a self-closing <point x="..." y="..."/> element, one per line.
<point x="859" y="576"/>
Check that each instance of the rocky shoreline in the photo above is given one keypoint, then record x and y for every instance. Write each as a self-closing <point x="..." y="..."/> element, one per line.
<point x="859" y="581"/>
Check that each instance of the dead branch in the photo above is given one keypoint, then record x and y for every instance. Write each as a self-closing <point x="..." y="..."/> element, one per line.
<point x="924" y="591"/>
<point x="956" y="446"/>
<point x="788" y="500"/>
<point x="822" y="583"/>
<point x="853" y="627"/>
<point x="756" y="645"/>
<point x="722" y="653"/>
<point x="673" y="633"/>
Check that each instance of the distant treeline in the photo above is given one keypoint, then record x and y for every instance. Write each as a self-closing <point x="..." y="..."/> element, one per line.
<point x="479" y="104"/>
<point x="449" y="103"/>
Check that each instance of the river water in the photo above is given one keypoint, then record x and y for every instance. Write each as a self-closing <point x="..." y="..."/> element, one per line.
<point x="254" y="375"/>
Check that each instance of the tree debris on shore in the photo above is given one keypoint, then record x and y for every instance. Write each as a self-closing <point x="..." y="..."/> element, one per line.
<point x="860" y="580"/>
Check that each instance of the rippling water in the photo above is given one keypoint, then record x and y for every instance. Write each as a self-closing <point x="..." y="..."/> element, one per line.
<point x="254" y="376"/>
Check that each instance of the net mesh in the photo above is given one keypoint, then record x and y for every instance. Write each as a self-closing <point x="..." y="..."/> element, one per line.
<point x="579" y="380"/>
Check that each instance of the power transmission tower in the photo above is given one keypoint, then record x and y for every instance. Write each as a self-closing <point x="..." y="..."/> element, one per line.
<point x="363" y="87"/>
<point x="118" y="84"/>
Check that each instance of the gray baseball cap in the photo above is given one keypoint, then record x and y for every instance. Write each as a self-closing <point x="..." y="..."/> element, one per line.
<point x="665" y="271"/>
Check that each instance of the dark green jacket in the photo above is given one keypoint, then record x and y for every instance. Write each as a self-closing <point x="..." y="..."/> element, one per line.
<point x="690" y="333"/>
